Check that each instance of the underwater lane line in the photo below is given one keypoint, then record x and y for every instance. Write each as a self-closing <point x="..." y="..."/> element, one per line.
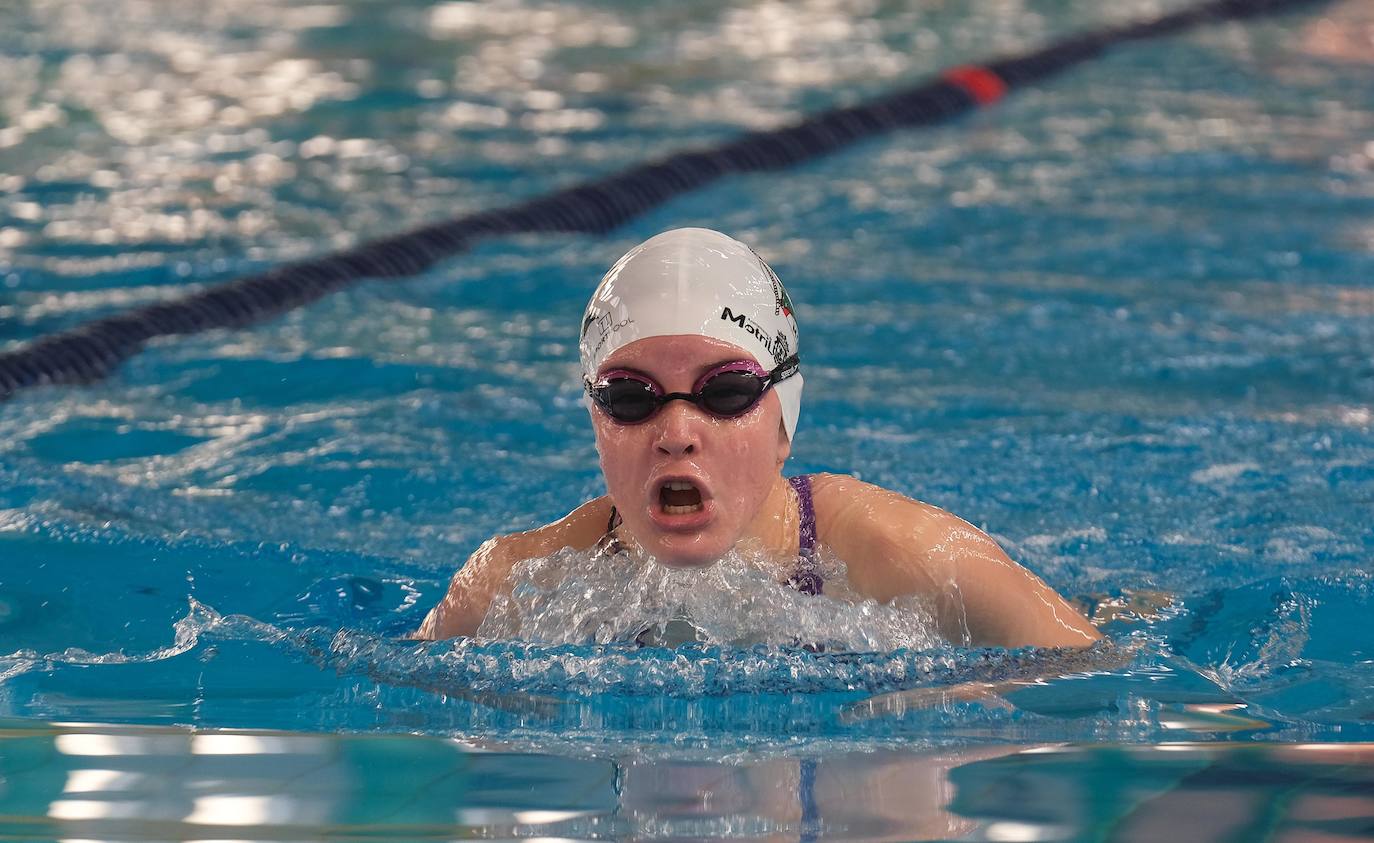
<point x="92" y="351"/>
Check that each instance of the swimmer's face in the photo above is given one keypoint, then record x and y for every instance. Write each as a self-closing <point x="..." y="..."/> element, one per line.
<point x="731" y="464"/>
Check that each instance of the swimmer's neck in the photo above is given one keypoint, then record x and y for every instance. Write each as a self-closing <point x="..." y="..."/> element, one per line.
<point x="774" y="529"/>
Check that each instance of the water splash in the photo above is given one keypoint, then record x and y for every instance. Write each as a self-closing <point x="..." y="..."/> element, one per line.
<point x="693" y="670"/>
<point x="465" y="667"/>
<point x="592" y="597"/>
<point x="186" y="634"/>
<point x="696" y="697"/>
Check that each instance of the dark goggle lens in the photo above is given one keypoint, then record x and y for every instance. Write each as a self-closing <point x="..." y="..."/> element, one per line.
<point x="731" y="393"/>
<point x="627" y="399"/>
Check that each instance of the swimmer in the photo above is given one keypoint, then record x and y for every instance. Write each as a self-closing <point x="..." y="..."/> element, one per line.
<point x="690" y="362"/>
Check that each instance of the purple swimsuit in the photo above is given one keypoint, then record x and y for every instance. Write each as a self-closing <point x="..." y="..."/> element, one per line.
<point x="807" y="579"/>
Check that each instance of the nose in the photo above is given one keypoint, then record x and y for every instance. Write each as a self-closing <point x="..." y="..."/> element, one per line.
<point x="679" y="429"/>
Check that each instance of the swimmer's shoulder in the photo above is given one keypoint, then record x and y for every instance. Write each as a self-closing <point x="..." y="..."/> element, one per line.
<point x="579" y="530"/>
<point x="893" y="545"/>
<point x="487" y="572"/>
<point x="845" y="504"/>
<point x="886" y="539"/>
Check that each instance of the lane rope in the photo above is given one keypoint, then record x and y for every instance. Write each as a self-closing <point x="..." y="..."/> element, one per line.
<point x="93" y="350"/>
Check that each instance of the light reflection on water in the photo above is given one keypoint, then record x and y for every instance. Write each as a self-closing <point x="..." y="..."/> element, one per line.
<point x="137" y="783"/>
<point x="1122" y="322"/>
<point x="145" y="135"/>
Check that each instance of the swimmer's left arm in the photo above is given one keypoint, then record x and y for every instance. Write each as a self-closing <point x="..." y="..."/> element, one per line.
<point x="990" y="599"/>
<point x="980" y="595"/>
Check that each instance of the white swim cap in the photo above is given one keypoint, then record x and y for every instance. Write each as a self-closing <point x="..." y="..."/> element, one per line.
<point x="701" y="282"/>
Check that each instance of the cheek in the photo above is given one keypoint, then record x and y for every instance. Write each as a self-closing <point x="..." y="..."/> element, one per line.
<point x="746" y="446"/>
<point x="757" y="439"/>
<point x="746" y="460"/>
<point x="622" y="452"/>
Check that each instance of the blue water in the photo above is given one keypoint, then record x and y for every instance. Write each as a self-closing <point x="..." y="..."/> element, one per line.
<point x="1121" y="321"/>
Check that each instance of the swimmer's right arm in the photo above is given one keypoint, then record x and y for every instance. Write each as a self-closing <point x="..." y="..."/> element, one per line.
<point x="486" y="575"/>
<point x="471" y="590"/>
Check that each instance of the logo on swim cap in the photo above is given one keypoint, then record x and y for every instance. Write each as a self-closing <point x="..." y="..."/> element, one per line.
<point x="782" y="304"/>
<point x="606" y="325"/>
<point x="780" y="349"/>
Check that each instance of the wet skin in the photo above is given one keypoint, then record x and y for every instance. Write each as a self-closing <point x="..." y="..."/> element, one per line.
<point x="891" y="544"/>
<point x="734" y="464"/>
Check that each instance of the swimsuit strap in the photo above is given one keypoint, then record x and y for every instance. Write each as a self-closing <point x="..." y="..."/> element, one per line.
<point x="608" y="543"/>
<point x="807" y="580"/>
<point x="801" y="484"/>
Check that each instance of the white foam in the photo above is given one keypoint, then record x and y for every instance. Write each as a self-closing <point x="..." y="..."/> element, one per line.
<point x="575" y="597"/>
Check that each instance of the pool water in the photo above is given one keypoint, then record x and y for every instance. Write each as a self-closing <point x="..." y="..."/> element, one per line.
<point x="1121" y="321"/>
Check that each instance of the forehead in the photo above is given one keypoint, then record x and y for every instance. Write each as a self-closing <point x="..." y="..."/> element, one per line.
<point x="687" y="353"/>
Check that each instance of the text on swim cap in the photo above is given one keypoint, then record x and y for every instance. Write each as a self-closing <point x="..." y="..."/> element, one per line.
<point x="605" y="322"/>
<point x="776" y="346"/>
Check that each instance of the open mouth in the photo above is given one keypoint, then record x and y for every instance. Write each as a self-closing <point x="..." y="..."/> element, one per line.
<point x="679" y="497"/>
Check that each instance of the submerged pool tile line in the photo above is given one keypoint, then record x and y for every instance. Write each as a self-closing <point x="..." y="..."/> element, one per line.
<point x="92" y="351"/>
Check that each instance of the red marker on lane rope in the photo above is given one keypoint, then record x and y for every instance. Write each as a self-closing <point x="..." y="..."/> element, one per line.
<point x="982" y="84"/>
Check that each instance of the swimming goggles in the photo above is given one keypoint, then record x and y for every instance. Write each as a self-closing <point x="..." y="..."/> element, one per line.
<point x="726" y="391"/>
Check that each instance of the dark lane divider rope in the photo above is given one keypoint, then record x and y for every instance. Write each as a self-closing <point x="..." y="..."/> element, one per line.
<point x="91" y="351"/>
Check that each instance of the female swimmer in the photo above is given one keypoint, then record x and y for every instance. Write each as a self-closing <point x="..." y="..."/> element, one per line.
<point x="689" y="355"/>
